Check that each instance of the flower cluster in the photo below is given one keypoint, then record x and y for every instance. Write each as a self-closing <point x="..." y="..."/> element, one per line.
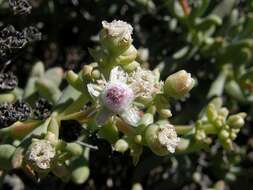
<point x="116" y="98"/>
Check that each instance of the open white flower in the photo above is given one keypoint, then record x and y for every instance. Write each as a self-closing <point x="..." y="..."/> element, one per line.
<point x="115" y="97"/>
<point x="144" y="83"/>
<point x="119" y="29"/>
<point x="41" y="154"/>
<point x="167" y="137"/>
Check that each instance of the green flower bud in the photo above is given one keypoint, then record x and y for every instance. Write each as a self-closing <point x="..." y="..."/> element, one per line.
<point x="165" y="113"/>
<point x="87" y="70"/>
<point x="146" y="119"/>
<point x="130" y="67"/>
<point x="80" y="170"/>
<point x="74" y="80"/>
<point x="95" y="74"/>
<point x="223" y="112"/>
<point x="40" y="155"/>
<point x="74" y="149"/>
<point x="138" y="139"/>
<point x="161" y="139"/>
<point x="228" y="144"/>
<point x="127" y="58"/>
<point x="178" y="84"/>
<point x="223" y="135"/>
<point x="200" y="135"/>
<point x="116" y="36"/>
<point x="235" y="121"/>
<point x="211" y="112"/>
<point x="233" y="135"/>
<point x="121" y="145"/>
<point x="219" y="122"/>
<point x="6" y="153"/>
<point x="137" y="186"/>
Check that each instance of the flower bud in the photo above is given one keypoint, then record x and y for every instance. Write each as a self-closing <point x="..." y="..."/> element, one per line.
<point x="138" y="139"/>
<point x="80" y="170"/>
<point x="224" y="135"/>
<point x="121" y="146"/>
<point x="200" y="135"/>
<point x="146" y="119"/>
<point x="165" y="113"/>
<point x="127" y="58"/>
<point x="178" y="84"/>
<point x="116" y="36"/>
<point x="40" y="155"/>
<point x="74" y="80"/>
<point x="95" y="74"/>
<point x="74" y="149"/>
<point x="211" y="112"/>
<point x="161" y="139"/>
<point x="235" y="121"/>
<point x="137" y="186"/>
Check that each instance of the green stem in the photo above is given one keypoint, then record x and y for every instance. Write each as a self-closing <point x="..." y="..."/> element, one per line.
<point x="184" y="129"/>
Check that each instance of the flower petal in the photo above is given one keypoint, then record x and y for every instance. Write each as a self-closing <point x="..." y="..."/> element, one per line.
<point x="93" y="90"/>
<point x="103" y="115"/>
<point x="131" y="116"/>
<point x="117" y="74"/>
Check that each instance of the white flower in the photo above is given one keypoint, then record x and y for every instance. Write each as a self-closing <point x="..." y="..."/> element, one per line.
<point x="144" y="83"/>
<point x="115" y="97"/>
<point x="41" y="154"/>
<point x="167" y="137"/>
<point x="119" y="29"/>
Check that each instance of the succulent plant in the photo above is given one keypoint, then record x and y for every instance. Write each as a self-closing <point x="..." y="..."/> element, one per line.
<point x="137" y="94"/>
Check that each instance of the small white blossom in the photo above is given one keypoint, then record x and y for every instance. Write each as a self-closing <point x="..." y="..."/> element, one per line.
<point x="119" y="29"/>
<point x="41" y="154"/>
<point x="117" y="95"/>
<point x="144" y="83"/>
<point x="167" y="137"/>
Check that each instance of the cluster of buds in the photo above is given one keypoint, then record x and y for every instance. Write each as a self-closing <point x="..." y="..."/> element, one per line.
<point x="216" y="120"/>
<point x="126" y="104"/>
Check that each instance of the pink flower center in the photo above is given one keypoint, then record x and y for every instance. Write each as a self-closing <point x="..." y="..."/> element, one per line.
<point x="117" y="96"/>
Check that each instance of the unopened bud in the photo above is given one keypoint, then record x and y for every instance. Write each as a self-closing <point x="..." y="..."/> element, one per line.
<point x="95" y="74"/>
<point x="165" y="113"/>
<point x="138" y="139"/>
<point x="200" y="135"/>
<point x="211" y="112"/>
<point x="224" y="135"/>
<point x="178" y="84"/>
<point x="87" y="70"/>
<point x="235" y="121"/>
<point x="223" y="112"/>
<point x="121" y="146"/>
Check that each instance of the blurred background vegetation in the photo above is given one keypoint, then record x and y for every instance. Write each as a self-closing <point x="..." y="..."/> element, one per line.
<point x="213" y="40"/>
